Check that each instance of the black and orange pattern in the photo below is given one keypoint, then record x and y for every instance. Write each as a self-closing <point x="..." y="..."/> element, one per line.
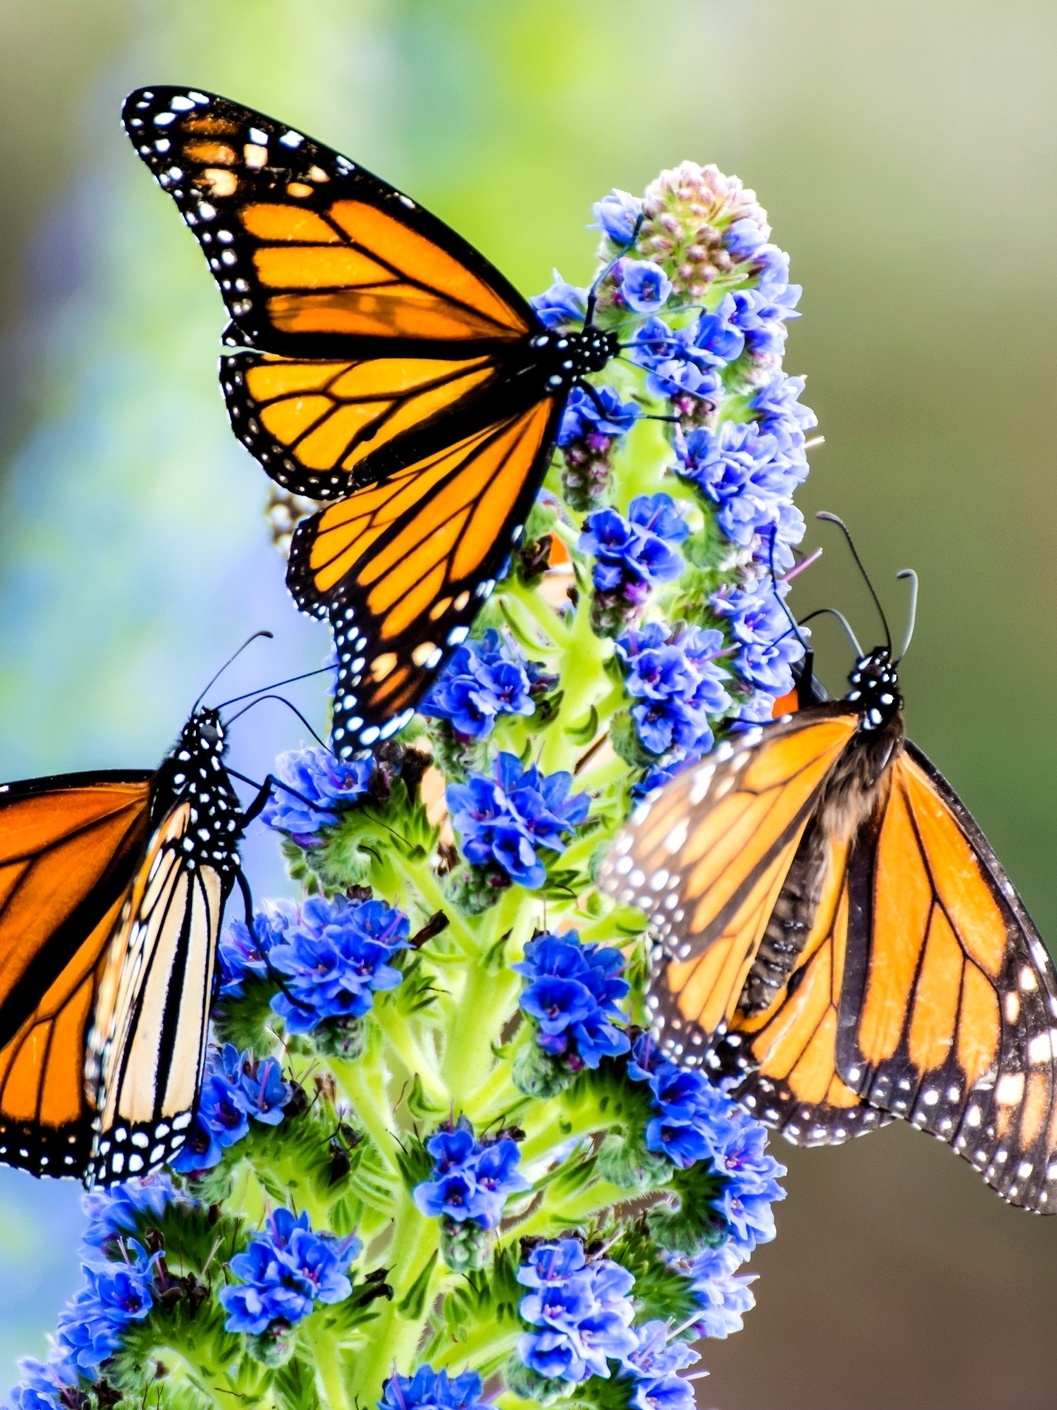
<point x="112" y="891"/>
<point x="837" y="935"/>
<point x="369" y="345"/>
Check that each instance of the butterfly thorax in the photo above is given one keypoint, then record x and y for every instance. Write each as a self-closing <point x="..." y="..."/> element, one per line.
<point x="563" y="358"/>
<point x="875" y="690"/>
<point x="193" y="772"/>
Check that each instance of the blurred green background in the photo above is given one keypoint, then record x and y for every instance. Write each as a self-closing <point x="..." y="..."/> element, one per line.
<point x="908" y="157"/>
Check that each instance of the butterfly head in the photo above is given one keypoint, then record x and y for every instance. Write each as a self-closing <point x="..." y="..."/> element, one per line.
<point x="875" y="689"/>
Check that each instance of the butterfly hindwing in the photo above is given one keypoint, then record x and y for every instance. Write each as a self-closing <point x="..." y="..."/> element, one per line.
<point x="323" y="428"/>
<point x="69" y="848"/>
<point x="402" y="566"/>
<point x="148" y="1043"/>
<point x="949" y="1009"/>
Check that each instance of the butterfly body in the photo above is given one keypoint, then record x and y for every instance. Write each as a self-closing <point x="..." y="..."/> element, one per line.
<point x="112" y="890"/>
<point x="836" y="936"/>
<point x="377" y="362"/>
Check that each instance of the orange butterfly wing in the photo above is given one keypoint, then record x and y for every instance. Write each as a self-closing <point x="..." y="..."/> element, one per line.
<point x="786" y="1053"/>
<point x="948" y="1016"/>
<point x="319" y="261"/>
<point x="707" y="857"/>
<point x="69" y="848"/>
<point x="401" y="567"/>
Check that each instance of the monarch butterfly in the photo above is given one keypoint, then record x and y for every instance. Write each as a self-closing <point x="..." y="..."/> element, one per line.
<point x="839" y="938"/>
<point x="376" y="359"/>
<point x="112" y="891"/>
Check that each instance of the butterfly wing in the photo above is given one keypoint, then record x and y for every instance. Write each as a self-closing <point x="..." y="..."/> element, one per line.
<point x="707" y="858"/>
<point x="319" y="260"/>
<point x="785" y="1053"/>
<point x="69" y="849"/>
<point x="401" y="567"/>
<point x="148" y="1042"/>
<point x="948" y="1013"/>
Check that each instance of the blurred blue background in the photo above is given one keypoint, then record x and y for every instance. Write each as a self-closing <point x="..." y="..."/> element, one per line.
<point x="908" y="157"/>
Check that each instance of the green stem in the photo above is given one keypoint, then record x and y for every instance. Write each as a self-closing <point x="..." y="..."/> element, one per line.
<point x="547" y="1221"/>
<point x="415" y="1058"/>
<point x="419" y="877"/>
<point x="544" y="617"/>
<point x="487" y="1341"/>
<point x="370" y="1101"/>
<point x="583" y="681"/>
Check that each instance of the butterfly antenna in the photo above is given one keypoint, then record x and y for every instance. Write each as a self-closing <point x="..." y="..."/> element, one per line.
<point x="832" y="612"/>
<point x="600" y="279"/>
<point x="283" y="701"/>
<point x="304" y="676"/>
<point x="227" y="663"/>
<point x="835" y="519"/>
<point x="913" y="615"/>
<point x="793" y="623"/>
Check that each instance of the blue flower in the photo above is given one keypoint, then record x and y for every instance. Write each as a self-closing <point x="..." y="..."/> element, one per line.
<point x="235" y="1088"/>
<point x="39" y="1387"/>
<point x="644" y="285"/>
<point x="581" y="1309"/>
<point x="483" y="679"/>
<point x="767" y="647"/>
<point x="504" y="819"/>
<point x="777" y="406"/>
<point x="632" y="555"/>
<point x="690" y="1111"/>
<point x="750" y="1181"/>
<point x="573" y="998"/>
<point x="561" y="304"/>
<point x="715" y="341"/>
<point x="762" y="314"/>
<point x="119" y="1210"/>
<point x="744" y="238"/>
<point x="617" y="215"/>
<point x="243" y="953"/>
<point x="724" y="1298"/>
<point x="284" y="1271"/>
<point x="654" y="1365"/>
<point x="470" y="1180"/>
<point x="334" y="957"/>
<point x="330" y="783"/>
<point x="432" y="1390"/>
<point x="91" y="1324"/>
<point x="677" y="684"/>
<point x="596" y="413"/>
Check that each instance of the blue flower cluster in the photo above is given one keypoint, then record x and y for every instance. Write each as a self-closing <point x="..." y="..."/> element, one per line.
<point x="695" y="1121"/>
<point x="635" y="554"/>
<point x="677" y="684"/>
<point x="236" y="1088"/>
<point x="430" y="1390"/>
<point x="573" y="997"/>
<point x="91" y="1324"/>
<point x="504" y="819"/>
<point x="743" y="470"/>
<point x="579" y="1310"/>
<point x="284" y="1272"/>
<point x="483" y="680"/>
<point x="332" y="956"/>
<point x="327" y="786"/>
<point x="470" y="1179"/>
<point x="654" y="1365"/>
<point x="562" y="305"/>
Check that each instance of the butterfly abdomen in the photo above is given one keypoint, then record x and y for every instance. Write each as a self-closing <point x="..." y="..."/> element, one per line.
<point x="790" y="922"/>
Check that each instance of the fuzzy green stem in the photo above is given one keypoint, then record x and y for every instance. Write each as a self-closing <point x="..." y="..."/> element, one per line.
<point x="416" y="1059"/>
<point x="370" y="1101"/>
<point x="418" y="876"/>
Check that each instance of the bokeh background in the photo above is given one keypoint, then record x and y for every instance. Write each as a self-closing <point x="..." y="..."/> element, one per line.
<point x="908" y="157"/>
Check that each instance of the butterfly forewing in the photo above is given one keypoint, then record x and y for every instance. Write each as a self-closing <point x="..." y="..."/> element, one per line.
<point x="707" y="857"/>
<point x="305" y="245"/>
<point x="949" y="1009"/>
